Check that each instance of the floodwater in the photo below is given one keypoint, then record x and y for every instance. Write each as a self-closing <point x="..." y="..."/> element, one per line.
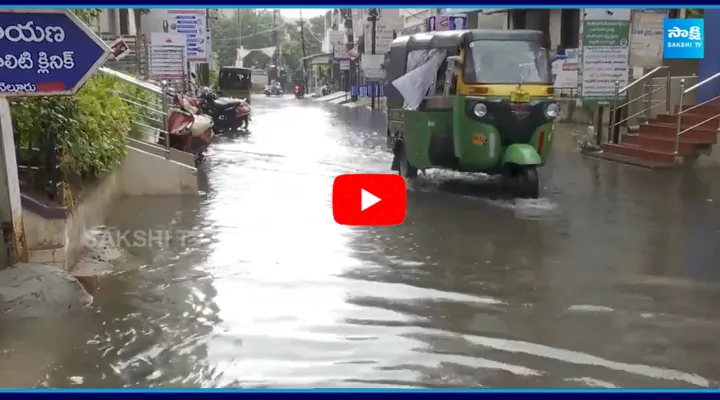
<point x="612" y="279"/>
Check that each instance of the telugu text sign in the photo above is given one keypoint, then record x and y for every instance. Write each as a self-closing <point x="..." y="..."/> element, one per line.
<point x="684" y="38"/>
<point x="383" y="38"/>
<point x="46" y="52"/>
<point x="192" y="24"/>
<point x="605" y="56"/>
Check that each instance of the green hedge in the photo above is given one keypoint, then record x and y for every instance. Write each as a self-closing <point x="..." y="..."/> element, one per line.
<point x="91" y="126"/>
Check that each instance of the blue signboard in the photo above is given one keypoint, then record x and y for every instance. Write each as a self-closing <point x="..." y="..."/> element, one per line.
<point x="684" y="38"/>
<point x="46" y="52"/>
<point x="363" y="91"/>
<point x="354" y="91"/>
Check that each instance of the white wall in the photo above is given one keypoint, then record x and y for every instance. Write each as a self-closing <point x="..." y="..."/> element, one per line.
<point x="415" y="16"/>
<point x="492" y="21"/>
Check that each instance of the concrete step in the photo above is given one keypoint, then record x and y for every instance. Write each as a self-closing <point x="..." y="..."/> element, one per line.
<point x="688" y="120"/>
<point x="669" y="131"/>
<point x="662" y="144"/>
<point x="641" y="154"/>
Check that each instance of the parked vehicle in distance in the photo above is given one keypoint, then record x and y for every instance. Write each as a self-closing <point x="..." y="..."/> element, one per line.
<point x="230" y="116"/>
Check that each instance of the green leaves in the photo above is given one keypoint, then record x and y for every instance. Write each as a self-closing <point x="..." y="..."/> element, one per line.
<point x="90" y="127"/>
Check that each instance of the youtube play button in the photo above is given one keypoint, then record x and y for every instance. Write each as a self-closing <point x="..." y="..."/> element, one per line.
<point x="369" y="199"/>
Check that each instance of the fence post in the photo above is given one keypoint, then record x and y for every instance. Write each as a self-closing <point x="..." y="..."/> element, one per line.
<point x="165" y="109"/>
<point x="10" y="203"/>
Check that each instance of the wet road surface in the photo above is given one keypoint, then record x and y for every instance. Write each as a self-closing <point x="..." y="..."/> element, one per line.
<point x="611" y="279"/>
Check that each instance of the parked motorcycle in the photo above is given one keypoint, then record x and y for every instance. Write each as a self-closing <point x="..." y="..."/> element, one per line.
<point x="299" y="91"/>
<point x="190" y="130"/>
<point x="325" y="90"/>
<point x="229" y="115"/>
<point x="273" y="91"/>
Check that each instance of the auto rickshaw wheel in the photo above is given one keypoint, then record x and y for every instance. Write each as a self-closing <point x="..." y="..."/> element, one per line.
<point x="524" y="182"/>
<point x="404" y="168"/>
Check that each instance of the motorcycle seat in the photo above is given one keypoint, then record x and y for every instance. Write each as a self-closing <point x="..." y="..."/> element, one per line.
<point x="225" y="103"/>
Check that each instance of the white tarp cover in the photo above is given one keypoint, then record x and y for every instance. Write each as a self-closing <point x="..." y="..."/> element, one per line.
<point x="415" y="83"/>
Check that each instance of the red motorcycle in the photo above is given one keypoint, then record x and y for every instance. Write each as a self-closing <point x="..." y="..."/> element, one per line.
<point x="190" y="130"/>
<point x="299" y="91"/>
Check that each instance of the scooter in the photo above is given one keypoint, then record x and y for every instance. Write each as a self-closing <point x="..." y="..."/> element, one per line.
<point x="325" y="90"/>
<point x="299" y="91"/>
<point x="229" y="115"/>
<point x="189" y="129"/>
<point x="272" y="91"/>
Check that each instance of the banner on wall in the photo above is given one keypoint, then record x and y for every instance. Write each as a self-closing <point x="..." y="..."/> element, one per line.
<point x="565" y="67"/>
<point x="646" y="38"/>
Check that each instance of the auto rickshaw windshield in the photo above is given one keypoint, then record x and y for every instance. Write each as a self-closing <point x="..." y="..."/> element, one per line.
<point x="506" y="62"/>
<point x="234" y="79"/>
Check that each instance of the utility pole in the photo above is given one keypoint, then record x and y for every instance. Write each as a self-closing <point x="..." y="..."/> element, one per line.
<point x="239" y="38"/>
<point x="373" y="17"/>
<point x="205" y="68"/>
<point x="275" y="35"/>
<point x="302" y="42"/>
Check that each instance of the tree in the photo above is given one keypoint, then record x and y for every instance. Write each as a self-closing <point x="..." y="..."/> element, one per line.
<point x="292" y="45"/>
<point x="257" y="28"/>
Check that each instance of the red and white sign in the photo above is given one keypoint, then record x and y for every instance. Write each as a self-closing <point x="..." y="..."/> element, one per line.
<point x="369" y="200"/>
<point x="119" y="49"/>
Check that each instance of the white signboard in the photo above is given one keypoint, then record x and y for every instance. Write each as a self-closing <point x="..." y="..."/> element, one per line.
<point x="383" y="38"/>
<point x="565" y="69"/>
<point x="339" y="52"/>
<point x="371" y="65"/>
<point x="167" y="56"/>
<point x="345" y="65"/>
<point x="335" y="37"/>
<point x="189" y="22"/>
<point x="646" y="38"/>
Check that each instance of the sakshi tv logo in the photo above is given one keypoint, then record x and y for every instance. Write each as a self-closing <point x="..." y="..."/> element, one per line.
<point x="684" y="38"/>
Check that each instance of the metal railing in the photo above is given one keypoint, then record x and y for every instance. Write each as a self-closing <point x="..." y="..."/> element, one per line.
<point x="647" y="80"/>
<point x="682" y="110"/>
<point x="151" y="104"/>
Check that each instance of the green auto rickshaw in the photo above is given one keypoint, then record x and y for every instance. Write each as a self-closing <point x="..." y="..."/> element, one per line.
<point x="235" y="82"/>
<point x="472" y="101"/>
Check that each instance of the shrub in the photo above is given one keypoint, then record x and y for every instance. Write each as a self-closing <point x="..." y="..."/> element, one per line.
<point x="90" y="128"/>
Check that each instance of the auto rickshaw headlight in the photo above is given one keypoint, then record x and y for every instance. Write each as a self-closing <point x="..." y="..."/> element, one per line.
<point x="480" y="110"/>
<point x="552" y="110"/>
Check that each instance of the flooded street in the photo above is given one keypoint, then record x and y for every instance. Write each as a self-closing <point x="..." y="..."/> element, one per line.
<point x="612" y="279"/>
